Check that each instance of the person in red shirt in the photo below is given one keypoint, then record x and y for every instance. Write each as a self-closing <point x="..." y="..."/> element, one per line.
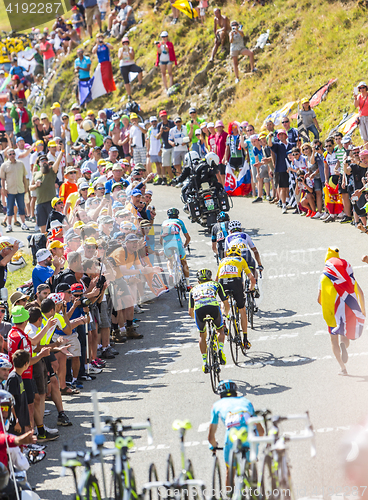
<point x="70" y="185"/>
<point x="47" y="52"/>
<point x="17" y="339"/>
<point x="220" y="139"/>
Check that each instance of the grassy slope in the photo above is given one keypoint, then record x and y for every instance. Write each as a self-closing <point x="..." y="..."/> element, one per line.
<point x="311" y="42"/>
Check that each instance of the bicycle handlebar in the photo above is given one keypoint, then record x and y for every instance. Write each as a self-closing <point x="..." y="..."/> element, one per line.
<point x="112" y="425"/>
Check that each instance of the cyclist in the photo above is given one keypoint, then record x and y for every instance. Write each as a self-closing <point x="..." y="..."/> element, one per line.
<point x="237" y="236"/>
<point x="219" y="233"/>
<point x="171" y="240"/>
<point x="203" y="302"/>
<point x="234" y="411"/>
<point x="229" y="274"/>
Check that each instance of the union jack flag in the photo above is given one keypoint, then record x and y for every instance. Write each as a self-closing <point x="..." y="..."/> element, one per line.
<point x="348" y="314"/>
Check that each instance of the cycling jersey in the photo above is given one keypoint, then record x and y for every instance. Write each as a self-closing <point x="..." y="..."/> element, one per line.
<point x="170" y="233"/>
<point x="234" y="413"/>
<point x="237" y="238"/>
<point x="232" y="267"/>
<point x="204" y="294"/>
<point x="219" y="232"/>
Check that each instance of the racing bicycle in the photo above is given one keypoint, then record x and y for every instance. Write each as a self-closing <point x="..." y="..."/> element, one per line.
<point x="216" y="492"/>
<point x="275" y="480"/>
<point x="183" y="486"/>
<point x="233" y="326"/>
<point x="213" y="355"/>
<point x="250" y="302"/>
<point x="179" y="279"/>
<point x="243" y="477"/>
<point x="87" y="486"/>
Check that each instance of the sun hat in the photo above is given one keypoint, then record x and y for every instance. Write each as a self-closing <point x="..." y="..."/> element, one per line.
<point x="14" y="297"/>
<point x="54" y="224"/>
<point x="281" y="131"/>
<point x="125" y="39"/>
<point x="219" y="123"/>
<point x="19" y="314"/>
<point x="42" y="254"/>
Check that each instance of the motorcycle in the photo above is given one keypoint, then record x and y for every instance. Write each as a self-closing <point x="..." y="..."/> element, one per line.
<point x="205" y="204"/>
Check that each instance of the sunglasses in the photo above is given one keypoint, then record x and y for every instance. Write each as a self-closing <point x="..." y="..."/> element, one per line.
<point x="77" y="295"/>
<point x="5" y="408"/>
<point x="100" y="189"/>
<point x="329" y="146"/>
<point x="286" y="121"/>
<point x="2" y="311"/>
<point x="90" y="246"/>
<point x="84" y="189"/>
<point x="295" y="154"/>
<point x="249" y="129"/>
<point x="306" y="149"/>
<point x="78" y="120"/>
<point x="65" y="118"/>
<point x="11" y="154"/>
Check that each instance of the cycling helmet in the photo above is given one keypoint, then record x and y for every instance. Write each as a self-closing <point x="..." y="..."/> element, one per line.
<point x="173" y="213"/>
<point x="212" y="158"/>
<point x="190" y="157"/>
<point x="234" y="250"/>
<point x="222" y="217"/>
<point x="5" y="362"/>
<point x="6" y="399"/>
<point x="88" y="125"/>
<point x="227" y="388"/>
<point x="235" y="225"/>
<point x="4" y="476"/>
<point x="241" y="247"/>
<point x="204" y="275"/>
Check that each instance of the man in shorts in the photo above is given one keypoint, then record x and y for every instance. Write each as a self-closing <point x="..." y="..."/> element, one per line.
<point x="263" y="177"/>
<point x="154" y="154"/>
<point x="92" y="11"/>
<point x="167" y="150"/>
<point x="221" y="28"/>
<point x="176" y="136"/>
<point x="202" y="303"/>
<point x="281" y="149"/>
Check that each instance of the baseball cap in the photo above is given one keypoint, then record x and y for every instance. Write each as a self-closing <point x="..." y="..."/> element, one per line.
<point x="55" y="105"/>
<point x="346" y="139"/>
<point x="203" y="125"/>
<point x="19" y="314"/>
<point x="177" y="119"/>
<point x="153" y="119"/>
<point x="78" y="224"/>
<point x="78" y="116"/>
<point x="136" y="192"/>
<point x="51" y="144"/>
<point x="14" y="297"/>
<point x="70" y="170"/>
<point x="210" y="125"/>
<point x="90" y="112"/>
<point x="62" y="287"/>
<point x="198" y="131"/>
<point x="125" y="39"/>
<point x="133" y="116"/>
<point x="56" y="297"/>
<point x="83" y="185"/>
<point x="163" y="112"/>
<point x="19" y="139"/>
<point x="164" y="33"/>
<point x="304" y="100"/>
<point x="116" y="184"/>
<point x="42" y="254"/>
<point x="117" y="166"/>
<point x="90" y="241"/>
<point x="38" y="143"/>
<point x="362" y="84"/>
<point x="76" y="288"/>
<point x="115" y="116"/>
<point x="55" y="200"/>
<point x="113" y="148"/>
<point x="192" y="110"/>
<point x="75" y="106"/>
<point x="70" y="235"/>
<point x="2" y="71"/>
<point x="117" y="235"/>
<point x="149" y="191"/>
<point x="132" y="237"/>
<point x="56" y="244"/>
<point x="86" y="170"/>
<point x="219" y="123"/>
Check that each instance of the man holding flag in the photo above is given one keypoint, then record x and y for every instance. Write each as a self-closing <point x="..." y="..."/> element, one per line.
<point x="103" y="54"/>
<point x="82" y="66"/>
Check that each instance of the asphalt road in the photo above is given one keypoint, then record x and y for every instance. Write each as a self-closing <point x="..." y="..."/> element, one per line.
<point x="289" y="369"/>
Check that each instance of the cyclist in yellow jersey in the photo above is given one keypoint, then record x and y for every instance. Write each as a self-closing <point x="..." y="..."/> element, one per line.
<point x="229" y="274"/>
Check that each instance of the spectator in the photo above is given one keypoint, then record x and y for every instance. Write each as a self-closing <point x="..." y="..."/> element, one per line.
<point x="15" y="175"/>
<point x="309" y="118"/>
<point x="69" y="186"/>
<point x="166" y="58"/>
<point x="47" y="128"/>
<point x="56" y="119"/>
<point x="154" y="154"/>
<point x="22" y="154"/>
<point x="82" y="65"/>
<point x="16" y="89"/>
<point x="293" y="136"/>
<point x="360" y="102"/>
<point x="92" y="12"/>
<point x="263" y="176"/>
<point x="193" y="124"/>
<point x="281" y="149"/>
<point x="221" y="28"/>
<point x="103" y="54"/>
<point x="127" y="65"/>
<point x="7" y="251"/>
<point x="237" y="48"/>
<point x="43" y="270"/>
<point x="233" y="151"/>
<point x="123" y="21"/>
<point x="22" y="120"/>
<point x="103" y="124"/>
<point x="167" y="150"/>
<point x="17" y="70"/>
<point x="78" y="21"/>
<point x="176" y="136"/>
<point x="20" y="421"/>
<point x="315" y="164"/>
<point x="137" y="137"/>
<point x="48" y="53"/>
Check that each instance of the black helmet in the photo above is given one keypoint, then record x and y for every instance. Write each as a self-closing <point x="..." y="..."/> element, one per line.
<point x="227" y="388"/>
<point x="4" y="476"/>
<point x="222" y="217"/>
<point x="204" y="275"/>
<point x="6" y="399"/>
<point x="173" y="213"/>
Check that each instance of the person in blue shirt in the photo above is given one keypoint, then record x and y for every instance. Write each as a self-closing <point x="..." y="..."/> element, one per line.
<point x="293" y="135"/>
<point x="263" y="178"/>
<point x="82" y="65"/>
<point x="17" y="70"/>
<point x="43" y="269"/>
<point x="234" y="411"/>
<point x="171" y="240"/>
<point x="281" y="149"/>
<point x="102" y="49"/>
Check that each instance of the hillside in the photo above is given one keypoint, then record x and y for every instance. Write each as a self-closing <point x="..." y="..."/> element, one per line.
<point x="310" y="42"/>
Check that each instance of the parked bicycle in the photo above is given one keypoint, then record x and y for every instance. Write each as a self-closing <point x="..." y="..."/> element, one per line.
<point x="87" y="486"/>
<point x="275" y="480"/>
<point x="183" y="486"/>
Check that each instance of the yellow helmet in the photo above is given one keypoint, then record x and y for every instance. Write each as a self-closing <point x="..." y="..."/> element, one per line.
<point x="234" y="250"/>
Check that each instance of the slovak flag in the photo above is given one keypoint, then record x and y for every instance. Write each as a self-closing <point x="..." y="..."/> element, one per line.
<point x="238" y="185"/>
<point x="102" y="82"/>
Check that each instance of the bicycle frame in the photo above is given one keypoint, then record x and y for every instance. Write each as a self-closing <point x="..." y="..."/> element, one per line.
<point x="71" y="460"/>
<point x="213" y="360"/>
<point x="246" y="470"/>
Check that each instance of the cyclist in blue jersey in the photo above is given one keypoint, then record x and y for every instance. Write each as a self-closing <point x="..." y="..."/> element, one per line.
<point x="219" y="233"/>
<point x="237" y="237"/>
<point x="234" y="411"/>
<point x="171" y="240"/>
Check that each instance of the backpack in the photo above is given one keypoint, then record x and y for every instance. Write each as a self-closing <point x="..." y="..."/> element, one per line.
<point x="27" y="289"/>
<point x="54" y="281"/>
<point x="36" y="242"/>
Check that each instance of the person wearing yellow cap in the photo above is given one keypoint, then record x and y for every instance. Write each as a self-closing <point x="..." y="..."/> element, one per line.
<point x="56" y="119"/>
<point x="57" y="213"/>
<point x="343" y="305"/>
<point x="57" y="249"/>
<point x="136" y="140"/>
<point x="309" y="118"/>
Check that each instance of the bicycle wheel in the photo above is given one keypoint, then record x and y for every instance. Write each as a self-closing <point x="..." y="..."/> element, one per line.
<point x="153" y="476"/>
<point x="268" y="481"/>
<point x="183" y="289"/>
<point x="285" y="482"/>
<point x="170" y="471"/>
<point x="250" y="309"/>
<point x="91" y="490"/>
<point x="178" y="291"/>
<point x="216" y="481"/>
<point x="132" y="486"/>
<point x="214" y="366"/>
<point x="234" y="340"/>
<point x="235" y="480"/>
<point x="118" y="484"/>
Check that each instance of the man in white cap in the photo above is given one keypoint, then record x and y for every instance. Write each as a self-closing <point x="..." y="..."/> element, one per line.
<point x="154" y="147"/>
<point x="176" y="136"/>
<point x="43" y="270"/>
<point x="56" y="119"/>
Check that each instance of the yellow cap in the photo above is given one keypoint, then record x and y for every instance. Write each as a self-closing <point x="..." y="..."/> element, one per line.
<point x="55" y="200"/>
<point x="55" y="105"/>
<point x="304" y="100"/>
<point x="90" y="241"/>
<point x="37" y="143"/>
<point x="101" y="162"/>
<point x="78" y="224"/>
<point x="51" y="144"/>
<point x="90" y="112"/>
<point x="90" y="191"/>
<point x="56" y="244"/>
<point x="133" y="115"/>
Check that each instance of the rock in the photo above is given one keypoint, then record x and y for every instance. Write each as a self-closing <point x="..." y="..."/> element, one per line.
<point x="59" y="87"/>
<point x="150" y="76"/>
<point x="195" y="56"/>
<point x="226" y="92"/>
<point x="200" y="78"/>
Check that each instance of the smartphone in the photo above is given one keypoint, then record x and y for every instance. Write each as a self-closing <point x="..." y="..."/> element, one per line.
<point x="191" y="121"/>
<point x="107" y="196"/>
<point x="356" y="91"/>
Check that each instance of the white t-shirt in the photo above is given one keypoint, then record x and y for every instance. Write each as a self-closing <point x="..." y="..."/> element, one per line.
<point x="53" y="158"/>
<point x="331" y="160"/>
<point x="164" y="56"/>
<point x="155" y="144"/>
<point x="126" y="56"/>
<point x="26" y="161"/>
<point x="34" y="157"/>
<point x="177" y="136"/>
<point x="136" y="135"/>
<point x="32" y="331"/>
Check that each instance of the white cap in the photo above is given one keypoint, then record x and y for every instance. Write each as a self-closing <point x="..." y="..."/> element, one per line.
<point x="164" y="33"/>
<point x="153" y="119"/>
<point x="197" y="132"/>
<point x="55" y="223"/>
<point x="362" y="84"/>
<point x="211" y="124"/>
<point x="203" y="125"/>
<point x="42" y="254"/>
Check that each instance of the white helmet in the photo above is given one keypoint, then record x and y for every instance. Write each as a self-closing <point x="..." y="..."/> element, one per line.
<point x="234" y="225"/>
<point x="212" y="157"/>
<point x="190" y="157"/>
<point x="88" y="125"/>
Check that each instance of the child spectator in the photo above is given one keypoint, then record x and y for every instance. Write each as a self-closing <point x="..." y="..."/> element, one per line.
<point x="20" y="421"/>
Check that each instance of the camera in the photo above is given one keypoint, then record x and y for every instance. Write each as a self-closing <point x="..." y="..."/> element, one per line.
<point x="85" y="302"/>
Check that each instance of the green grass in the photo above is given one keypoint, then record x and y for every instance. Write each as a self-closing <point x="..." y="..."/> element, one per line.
<point x="18" y="278"/>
